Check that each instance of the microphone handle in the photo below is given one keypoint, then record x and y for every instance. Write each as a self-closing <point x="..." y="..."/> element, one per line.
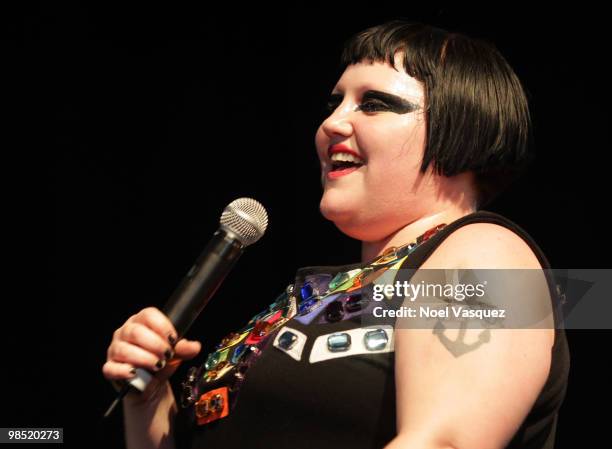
<point x="196" y="290"/>
<point x="203" y="280"/>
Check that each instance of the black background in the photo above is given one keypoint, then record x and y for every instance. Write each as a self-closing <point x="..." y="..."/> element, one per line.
<point x="143" y="122"/>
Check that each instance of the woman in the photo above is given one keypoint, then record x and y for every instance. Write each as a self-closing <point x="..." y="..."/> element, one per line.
<point x="424" y="128"/>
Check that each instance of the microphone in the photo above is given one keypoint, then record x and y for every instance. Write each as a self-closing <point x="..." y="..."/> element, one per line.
<point x="242" y="223"/>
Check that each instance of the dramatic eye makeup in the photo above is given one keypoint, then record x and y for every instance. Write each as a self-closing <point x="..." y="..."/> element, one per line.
<point x="375" y="101"/>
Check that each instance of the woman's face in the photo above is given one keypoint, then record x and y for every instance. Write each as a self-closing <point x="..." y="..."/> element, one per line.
<point x="373" y="186"/>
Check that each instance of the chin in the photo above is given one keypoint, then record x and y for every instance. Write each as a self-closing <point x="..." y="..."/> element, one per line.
<point x="349" y="224"/>
<point x="355" y="232"/>
<point x="335" y="209"/>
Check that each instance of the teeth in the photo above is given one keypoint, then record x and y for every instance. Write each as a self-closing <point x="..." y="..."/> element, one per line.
<point x="346" y="157"/>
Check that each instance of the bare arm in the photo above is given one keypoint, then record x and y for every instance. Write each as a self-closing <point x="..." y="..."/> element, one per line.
<point x="474" y="398"/>
<point x="149" y="424"/>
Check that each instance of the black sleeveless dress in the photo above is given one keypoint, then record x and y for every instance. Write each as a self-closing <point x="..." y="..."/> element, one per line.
<point x="304" y="373"/>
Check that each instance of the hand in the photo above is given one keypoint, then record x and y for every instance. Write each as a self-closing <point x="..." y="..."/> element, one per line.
<point x="147" y="340"/>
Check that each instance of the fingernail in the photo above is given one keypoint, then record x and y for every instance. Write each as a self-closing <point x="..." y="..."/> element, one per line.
<point x="169" y="354"/>
<point x="172" y="339"/>
<point x="160" y="364"/>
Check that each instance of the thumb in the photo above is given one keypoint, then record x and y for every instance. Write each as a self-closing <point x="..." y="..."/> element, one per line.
<point x="187" y="349"/>
<point x="183" y="350"/>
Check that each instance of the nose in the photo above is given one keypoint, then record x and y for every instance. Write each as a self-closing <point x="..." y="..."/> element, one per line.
<point x="338" y="122"/>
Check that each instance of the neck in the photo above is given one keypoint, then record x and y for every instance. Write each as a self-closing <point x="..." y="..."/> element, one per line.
<point x="411" y="231"/>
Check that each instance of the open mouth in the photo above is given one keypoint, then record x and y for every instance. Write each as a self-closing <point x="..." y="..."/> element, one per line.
<point x="344" y="161"/>
<point x="339" y="166"/>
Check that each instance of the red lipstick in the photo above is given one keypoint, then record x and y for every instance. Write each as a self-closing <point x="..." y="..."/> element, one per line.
<point x="339" y="148"/>
<point x="338" y="173"/>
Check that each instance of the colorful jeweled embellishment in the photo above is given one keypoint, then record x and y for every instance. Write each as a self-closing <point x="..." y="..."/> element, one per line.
<point x="429" y="233"/>
<point x="261" y="329"/>
<point x="307" y="291"/>
<point x="290" y="289"/>
<point x="213" y="374"/>
<point x="212" y="405"/>
<point x="388" y="255"/>
<point x="309" y="305"/>
<point x="338" y="342"/>
<point x="264" y="327"/>
<point x="337" y="310"/>
<point x="354" y="302"/>
<point x="344" y="280"/>
<point x="218" y="371"/>
<point x="409" y="248"/>
<point x="291" y="309"/>
<point x="212" y="359"/>
<point x="375" y="340"/>
<point x="338" y="280"/>
<point x="334" y="311"/>
<point x="315" y="285"/>
<point x="291" y="342"/>
<point x="187" y="393"/>
<point x="231" y="339"/>
<point x="287" y="340"/>
<point x="241" y="369"/>
<point x="232" y="352"/>
<point x="215" y="357"/>
<point x="238" y="353"/>
<point x="358" y="281"/>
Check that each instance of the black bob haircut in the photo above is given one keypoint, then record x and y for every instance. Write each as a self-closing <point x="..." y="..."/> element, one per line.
<point x="476" y="110"/>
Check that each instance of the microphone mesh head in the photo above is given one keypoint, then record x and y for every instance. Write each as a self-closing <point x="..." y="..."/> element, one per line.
<point x="246" y="218"/>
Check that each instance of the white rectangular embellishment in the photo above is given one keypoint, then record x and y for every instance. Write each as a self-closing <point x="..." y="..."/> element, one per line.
<point x="320" y="349"/>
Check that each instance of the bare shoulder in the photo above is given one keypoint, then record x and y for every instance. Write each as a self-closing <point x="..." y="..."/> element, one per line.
<point x="483" y="245"/>
<point x="452" y="378"/>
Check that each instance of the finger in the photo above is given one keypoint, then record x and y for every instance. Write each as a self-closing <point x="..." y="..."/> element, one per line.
<point x="187" y="349"/>
<point x="117" y="370"/>
<point x="153" y="318"/>
<point x="124" y="352"/>
<point x="140" y="335"/>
